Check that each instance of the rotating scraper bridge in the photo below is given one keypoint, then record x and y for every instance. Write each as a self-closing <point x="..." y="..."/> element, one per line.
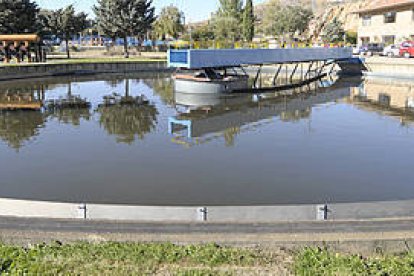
<point x="196" y="59"/>
<point x="317" y="60"/>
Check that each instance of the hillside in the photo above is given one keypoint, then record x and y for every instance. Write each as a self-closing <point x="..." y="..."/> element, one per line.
<point x="344" y="12"/>
<point x="326" y="11"/>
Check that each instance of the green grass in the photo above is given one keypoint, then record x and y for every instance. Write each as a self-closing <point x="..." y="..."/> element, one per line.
<point x="130" y="259"/>
<point x="88" y="60"/>
<point x="104" y="60"/>
<point x="316" y="261"/>
<point x="113" y="258"/>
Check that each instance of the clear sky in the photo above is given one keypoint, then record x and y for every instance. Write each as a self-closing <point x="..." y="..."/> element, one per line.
<point x="195" y="10"/>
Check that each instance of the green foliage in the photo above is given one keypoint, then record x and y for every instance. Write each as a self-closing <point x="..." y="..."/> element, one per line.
<point x="202" y="32"/>
<point x="227" y="28"/>
<point x="280" y="18"/>
<point x="123" y="18"/>
<point x="352" y="37"/>
<point x="169" y="23"/>
<point x="64" y="23"/>
<point x="334" y="31"/>
<point x="248" y="21"/>
<point x="227" y="21"/>
<point x="104" y="19"/>
<point x="230" y="8"/>
<point x="124" y="258"/>
<point x="316" y="261"/>
<point x="18" y="16"/>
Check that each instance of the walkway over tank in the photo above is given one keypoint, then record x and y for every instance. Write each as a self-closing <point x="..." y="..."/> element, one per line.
<point x="214" y="58"/>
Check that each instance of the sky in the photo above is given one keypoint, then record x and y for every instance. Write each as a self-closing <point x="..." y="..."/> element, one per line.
<point x="195" y="10"/>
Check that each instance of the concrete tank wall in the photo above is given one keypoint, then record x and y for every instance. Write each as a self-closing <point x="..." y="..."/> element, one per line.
<point x="49" y="70"/>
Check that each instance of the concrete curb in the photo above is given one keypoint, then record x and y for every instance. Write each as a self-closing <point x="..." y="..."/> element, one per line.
<point x="361" y="237"/>
<point x="219" y="214"/>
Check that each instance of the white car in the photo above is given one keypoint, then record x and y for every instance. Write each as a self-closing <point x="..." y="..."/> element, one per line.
<point x="391" y="51"/>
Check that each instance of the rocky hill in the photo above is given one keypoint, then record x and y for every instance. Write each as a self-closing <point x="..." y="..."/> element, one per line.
<point x="343" y="12"/>
<point x="325" y="12"/>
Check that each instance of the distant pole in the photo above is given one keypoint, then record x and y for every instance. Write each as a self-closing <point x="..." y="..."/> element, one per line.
<point x="191" y="37"/>
<point x="191" y="33"/>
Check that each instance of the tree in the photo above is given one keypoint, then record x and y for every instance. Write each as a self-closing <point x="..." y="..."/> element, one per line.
<point x="281" y="19"/>
<point x="227" y="20"/>
<point x="248" y="21"/>
<point x="105" y="18"/>
<point x="351" y="37"/>
<point x="64" y="23"/>
<point x="226" y="28"/>
<point x="169" y="23"/>
<point x="231" y="8"/>
<point x="334" y="31"/>
<point x="124" y="18"/>
<point x="18" y="16"/>
<point x="203" y="32"/>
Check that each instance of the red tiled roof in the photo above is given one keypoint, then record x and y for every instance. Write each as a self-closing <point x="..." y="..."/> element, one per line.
<point x="378" y="5"/>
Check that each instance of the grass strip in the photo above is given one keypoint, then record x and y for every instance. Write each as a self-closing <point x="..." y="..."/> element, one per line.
<point x="318" y="261"/>
<point x="112" y="258"/>
<point x="86" y="61"/>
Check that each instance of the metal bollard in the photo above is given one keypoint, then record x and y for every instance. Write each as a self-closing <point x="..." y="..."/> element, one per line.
<point x="82" y="211"/>
<point x="202" y="214"/>
<point x="322" y="212"/>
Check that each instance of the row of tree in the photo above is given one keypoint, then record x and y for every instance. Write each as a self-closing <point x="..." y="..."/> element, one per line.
<point x="233" y="21"/>
<point x="283" y="19"/>
<point x="114" y="18"/>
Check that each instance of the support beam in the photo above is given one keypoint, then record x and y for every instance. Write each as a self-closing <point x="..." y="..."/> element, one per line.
<point x="309" y="69"/>
<point x="257" y="76"/>
<point x="277" y="74"/>
<point x="294" y="72"/>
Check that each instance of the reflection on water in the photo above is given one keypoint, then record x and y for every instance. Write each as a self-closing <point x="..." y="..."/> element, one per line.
<point x="211" y="116"/>
<point x="17" y="127"/>
<point x="137" y="142"/>
<point x="393" y="98"/>
<point x="24" y="111"/>
<point x="69" y="109"/>
<point x="69" y="115"/>
<point x="126" y="118"/>
<point x="164" y="88"/>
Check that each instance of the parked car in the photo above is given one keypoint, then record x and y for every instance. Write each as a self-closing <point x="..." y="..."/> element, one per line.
<point x="391" y="51"/>
<point x="371" y="49"/>
<point x="407" y="49"/>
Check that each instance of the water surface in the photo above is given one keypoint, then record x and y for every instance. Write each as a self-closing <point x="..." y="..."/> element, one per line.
<point x="350" y="142"/>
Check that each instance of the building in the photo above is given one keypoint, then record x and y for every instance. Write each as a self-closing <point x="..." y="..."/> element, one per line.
<point x="386" y="21"/>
